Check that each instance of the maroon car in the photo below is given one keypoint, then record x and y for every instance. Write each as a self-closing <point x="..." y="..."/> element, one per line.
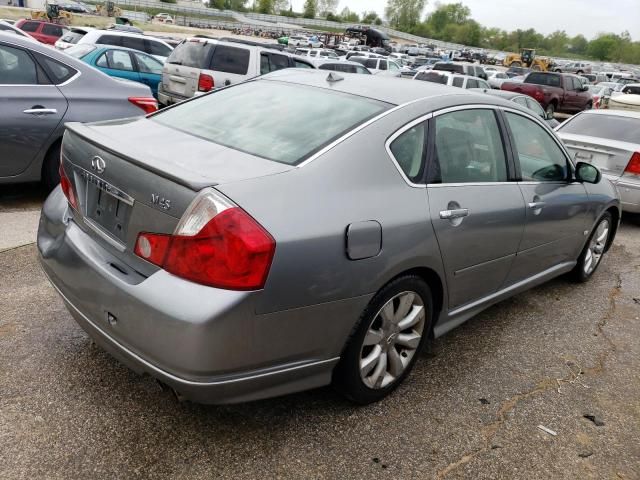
<point x="44" y="32"/>
<point x="556" y="92"/>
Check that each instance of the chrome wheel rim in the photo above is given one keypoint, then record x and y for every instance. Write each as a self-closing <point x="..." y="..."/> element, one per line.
<point x="596" y="247"/>
<point x="392" y="340"/>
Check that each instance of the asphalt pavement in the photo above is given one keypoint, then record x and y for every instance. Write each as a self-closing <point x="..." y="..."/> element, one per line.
<point x="471" y="409"/>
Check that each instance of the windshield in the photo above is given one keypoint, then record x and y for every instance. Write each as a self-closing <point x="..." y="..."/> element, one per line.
<point x="256" y="118"/>
<point x="612" y="127"/>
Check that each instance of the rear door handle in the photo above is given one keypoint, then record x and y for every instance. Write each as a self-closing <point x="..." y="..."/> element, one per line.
<point x="40" y="111"/>
<point x="536" y="205"/>
<point x="451" y="214"/>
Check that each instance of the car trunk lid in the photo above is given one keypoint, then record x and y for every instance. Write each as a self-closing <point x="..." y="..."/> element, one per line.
<point x="611" y="157"/>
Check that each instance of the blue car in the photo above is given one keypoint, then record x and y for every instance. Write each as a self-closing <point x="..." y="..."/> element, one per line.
<point x="121" y="62"/>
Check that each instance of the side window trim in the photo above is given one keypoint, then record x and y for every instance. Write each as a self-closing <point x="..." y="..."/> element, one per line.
<point x="426" y="119"/>
<point x="514" y="153"/>
<point x="512" y="172"/>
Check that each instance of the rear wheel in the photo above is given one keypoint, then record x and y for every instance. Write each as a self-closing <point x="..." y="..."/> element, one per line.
<point x="536" y="68"/>
<point x="385" y="345"/>
<point x="551" y="109"/>
<point x="593" y="252"/>
<point x="50" y="168"/>
<point x="515" y="64"/>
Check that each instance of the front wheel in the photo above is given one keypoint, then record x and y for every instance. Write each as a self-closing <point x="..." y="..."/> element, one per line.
<point x="551" y="109"/>
<point x="385" y="345"/>
<point x="593" y="252"/>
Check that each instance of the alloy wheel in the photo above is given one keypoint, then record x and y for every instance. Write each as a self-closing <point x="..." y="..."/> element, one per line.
<point x="596" y="247"/>
<point x="392" y="340"/>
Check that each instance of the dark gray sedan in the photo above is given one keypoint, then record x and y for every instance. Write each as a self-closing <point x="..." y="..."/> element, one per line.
<point x="232" y="259"/>
<point x="41" y="89"/>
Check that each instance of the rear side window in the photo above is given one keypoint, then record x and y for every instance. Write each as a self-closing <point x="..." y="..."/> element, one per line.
<point x="72" y="37"/>
<point x="449" y="67"/>
<point x="270" y="62"/>
<point x="193" y="54"/>
<point x="230" y="60"/>
<point x="408" y="150"/>
<point x="468" y="148"/>
<point x="17" y="67"/>
<point x="29" y="26"/>
<point x="58" y="72"/>
<point x="383" y="65"/>
<point x="53" y="30"/>
<point x="457" y="82"/>
<point x="256" y="118"/>
<point x="371" y="63"/>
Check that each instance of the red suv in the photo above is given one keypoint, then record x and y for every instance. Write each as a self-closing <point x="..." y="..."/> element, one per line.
<point x="44" y="32"/>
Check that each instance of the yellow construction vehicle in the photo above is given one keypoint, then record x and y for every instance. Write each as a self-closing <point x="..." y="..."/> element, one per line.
<point x="527" y="58"/>
<point x="53" y="14"/>
<point x="109" y="9"/>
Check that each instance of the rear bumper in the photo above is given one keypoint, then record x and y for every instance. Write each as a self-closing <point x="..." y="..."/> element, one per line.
<point x="629" y="190"/>
<point x="207" y="344"/>
<point x="167" y="98"/>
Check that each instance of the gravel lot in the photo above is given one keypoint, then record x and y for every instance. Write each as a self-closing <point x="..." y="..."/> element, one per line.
<point x="471" y="408"/>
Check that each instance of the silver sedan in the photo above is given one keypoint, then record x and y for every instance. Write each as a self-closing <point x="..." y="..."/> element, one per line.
<point x="232" y="259"/>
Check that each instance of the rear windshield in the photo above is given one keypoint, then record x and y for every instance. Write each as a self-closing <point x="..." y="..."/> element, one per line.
<point x="544" y="79"/>
<point x="72" y="37"/>
<point x="257" y="118"/>
<point x="432" y="77"/>
<point x="191" y="54"/>
<point x="449" y="67"/>
<point x="612" y="127"/>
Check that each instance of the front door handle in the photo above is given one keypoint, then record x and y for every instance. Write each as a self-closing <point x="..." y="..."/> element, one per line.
<point x="536" y="205"/>
<point x="451" y="214"/>
<point x="40" y="111"/>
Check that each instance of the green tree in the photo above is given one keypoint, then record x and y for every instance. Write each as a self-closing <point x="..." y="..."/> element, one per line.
<point x="404" y="14"/>
<point x="369" y="17"/>
<point x="265" y="6"/>
<point x="578" y="45"/>
<point x="281" y="5"/>
<point x="310" y="9"/>
<point x="348" y="16"/>
<point x="326" y="7"/>
<point x="603" y="47"/>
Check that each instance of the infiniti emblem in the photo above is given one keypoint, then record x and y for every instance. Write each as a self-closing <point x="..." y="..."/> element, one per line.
<point x="98" y="164"/>
<point x="391" y="338"/>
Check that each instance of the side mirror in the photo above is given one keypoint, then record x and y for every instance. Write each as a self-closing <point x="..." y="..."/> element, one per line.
<point x="587" y="173"/>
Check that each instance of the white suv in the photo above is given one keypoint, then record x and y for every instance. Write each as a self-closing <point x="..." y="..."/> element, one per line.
<point x="302" y="41"/>
<point x="379" y="66"/>
<point x="201" y="64"/>
<point x="451" y="79"/>
<point x="153" y="46"/>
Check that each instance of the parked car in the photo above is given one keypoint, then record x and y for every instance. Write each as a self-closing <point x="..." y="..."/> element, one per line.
<point x="164" y="18"/>
<point x="556" y="92"/>
<point x="317" y="53"/>
<point x="304" y="41"/>
<point x="362" y="54"/>
<point x="143" y="43"/>
<point x="54" y="88"/>
<point x="595" y="78"/>
<point x="451" y="79"/>
<point x="343" y="66"/>
<point x="71" y="37"/>
<point x="201" y="254"/>
<point x="125" y="27"/>
<point x="401" y="58"/>
<point x="199" y="65"/>
<point x="517" y="71"/>
<point x="627" y="99"/>
<point x="122" y="63"/>
<point x="75" y="7"/>
<point x="600" y="95"/>
<point x="627" y="80"/>
<point x="44" y="32"/>
<point x="461" y="68"/>
<point x="524" y="101"/>
<point x="574" y="67"/>
<point x="379" y="66"/>
<point x="7" y="27"/>
<point x="496" y="79"/>
<point x="609" y="140"/>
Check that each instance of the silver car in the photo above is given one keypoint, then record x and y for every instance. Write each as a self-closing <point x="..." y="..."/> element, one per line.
<point x="41" y="89"/>
<point x="212" y="249"/>
<point x="610" y="140"/>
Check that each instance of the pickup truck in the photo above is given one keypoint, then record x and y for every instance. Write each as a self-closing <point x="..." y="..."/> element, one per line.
<point x="556" y="92"/>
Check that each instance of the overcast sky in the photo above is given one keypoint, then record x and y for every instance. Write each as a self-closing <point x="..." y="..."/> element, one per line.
<point x="588" y="17"/>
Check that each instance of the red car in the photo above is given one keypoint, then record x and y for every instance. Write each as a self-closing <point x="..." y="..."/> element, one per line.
<point x="44" y="32"/>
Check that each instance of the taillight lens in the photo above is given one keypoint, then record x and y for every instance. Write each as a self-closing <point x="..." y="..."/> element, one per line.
<point x="216" y="243"/>
<point x="148" y="104"/>
<point x="205" y="83"/>
<point x="634" y="164"/>
<point x="67" y="187"/>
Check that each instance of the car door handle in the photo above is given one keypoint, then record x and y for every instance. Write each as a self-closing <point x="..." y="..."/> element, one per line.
<point x="451" y="214"/>
<point x="40" y="111"/>
<point x="536" y="205"/>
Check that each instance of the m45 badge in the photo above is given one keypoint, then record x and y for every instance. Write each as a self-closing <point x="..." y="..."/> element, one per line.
<point x="160" y="202"/>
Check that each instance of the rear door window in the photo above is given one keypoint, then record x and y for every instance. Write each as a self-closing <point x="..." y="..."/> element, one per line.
<point x="230" y="60"/>
<point x="457" y="81"/>
<point x="472" y="83"/>
<point x="116" y="60"/>
<point x="133" y="42"/>
<point x="109" y="40"/>
<point x="29" y="26"/>
<point x="371" y="63"/>
<point x="53" y="30"/>
<point x="156" y="48"/>
<point x="383" y="65"/>
<point x="17" y="67"/>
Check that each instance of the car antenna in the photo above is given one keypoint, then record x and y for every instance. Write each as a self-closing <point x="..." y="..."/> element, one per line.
<point x="334" y="77"/>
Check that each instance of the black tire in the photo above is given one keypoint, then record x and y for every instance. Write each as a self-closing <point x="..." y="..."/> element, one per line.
<point x="347" y="378"/>
<point x="516" y="64"/>
<point x="50" y="167"/>
<point x="579" y="72"/>
<point x="589" y="106"/>
<point x="579" y="272"/>
<point x="551" y="108"/>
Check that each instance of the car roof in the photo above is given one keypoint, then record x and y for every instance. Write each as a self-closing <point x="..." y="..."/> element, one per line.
<point x="384" y="89"/>
<point x="617" y="113"/>
<point x="125" y="49"/>
<point x="499" y="93"/>
<point x="121" y="33"/>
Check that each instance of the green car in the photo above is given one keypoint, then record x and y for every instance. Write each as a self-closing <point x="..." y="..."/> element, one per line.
<point x="283" y="40"/>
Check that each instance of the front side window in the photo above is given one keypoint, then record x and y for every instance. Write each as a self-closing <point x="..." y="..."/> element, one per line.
<point x="468" y="148"/>
<point x="244" y="117"/>
<point x="541" y="159"/>
<point x="408" y="150"/>
<point x="230" y="60"/>
<point x="16" y="67"/>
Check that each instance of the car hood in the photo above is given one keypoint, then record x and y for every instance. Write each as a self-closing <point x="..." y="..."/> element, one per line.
<point x="186" y="159"/>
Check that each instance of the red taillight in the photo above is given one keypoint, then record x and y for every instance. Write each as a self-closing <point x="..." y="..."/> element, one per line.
<point x="216" y="244"/>
<point x="67" y="187"/>
<point x="148" y="104"/>
<point x="634" y="164"/>
<point x="205" y="83"/>
<point x="538" y="95"/>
